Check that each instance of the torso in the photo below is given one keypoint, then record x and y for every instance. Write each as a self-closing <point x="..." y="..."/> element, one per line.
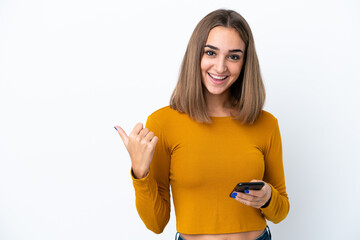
<point x="209" y="160"/>
<point x="230" y="236"/>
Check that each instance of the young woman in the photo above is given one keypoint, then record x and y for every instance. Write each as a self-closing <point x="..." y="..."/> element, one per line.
<point x="213" y="135"/>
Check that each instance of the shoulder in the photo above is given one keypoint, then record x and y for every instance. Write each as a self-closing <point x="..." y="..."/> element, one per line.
<point x="166" y="115"/>
<point x="266" y="120"/>
<point x="267" y="116"/>
<point x="167" y="122"/>
<point x="164" y="111"/>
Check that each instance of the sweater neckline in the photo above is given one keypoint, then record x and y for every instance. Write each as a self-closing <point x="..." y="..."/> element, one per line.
<point x="222" y="118"/>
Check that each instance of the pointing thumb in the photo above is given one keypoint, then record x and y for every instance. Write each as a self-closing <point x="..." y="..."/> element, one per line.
<point x="123" y="135"/>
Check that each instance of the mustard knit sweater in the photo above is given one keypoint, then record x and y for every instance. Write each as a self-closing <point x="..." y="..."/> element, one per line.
<point x="203" y="163"/>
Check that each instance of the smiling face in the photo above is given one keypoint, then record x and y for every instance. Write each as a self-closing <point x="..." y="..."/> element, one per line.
<point x="222" y="60"/>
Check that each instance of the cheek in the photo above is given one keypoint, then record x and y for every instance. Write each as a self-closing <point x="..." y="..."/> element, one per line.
<point x="236" y="69"/>
<point x="205" y="64"/>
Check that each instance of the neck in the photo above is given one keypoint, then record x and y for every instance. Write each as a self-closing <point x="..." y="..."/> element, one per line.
<point x="218" y="105"/>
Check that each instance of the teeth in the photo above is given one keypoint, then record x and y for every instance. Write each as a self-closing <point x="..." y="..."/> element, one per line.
<point x="217" y="78"/>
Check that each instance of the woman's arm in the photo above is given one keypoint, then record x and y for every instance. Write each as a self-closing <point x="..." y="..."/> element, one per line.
<point x="272" y="199"/>
<point x="279" y="205"/>
<point x="152" y="192"/>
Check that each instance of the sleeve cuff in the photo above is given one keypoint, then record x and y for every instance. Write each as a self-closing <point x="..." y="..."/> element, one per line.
<point x="141" y="182"/>
<point x="269" y="208"/>
<point x="133" y="176"/>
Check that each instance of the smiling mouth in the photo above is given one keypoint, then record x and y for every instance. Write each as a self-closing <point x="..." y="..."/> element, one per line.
<point x="217" y="78"/>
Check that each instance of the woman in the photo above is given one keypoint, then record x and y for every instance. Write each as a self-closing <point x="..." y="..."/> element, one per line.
<point x="213" y="135"/>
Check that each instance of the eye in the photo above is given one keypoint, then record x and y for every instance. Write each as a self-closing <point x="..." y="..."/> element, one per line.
<point x="210" y="53"/>
<point x="234" y="57"/>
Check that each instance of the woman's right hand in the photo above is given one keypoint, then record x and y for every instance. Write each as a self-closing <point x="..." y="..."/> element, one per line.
<point x="141" y="146"/>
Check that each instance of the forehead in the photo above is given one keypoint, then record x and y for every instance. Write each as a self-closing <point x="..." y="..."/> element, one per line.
<point x="225" y="38"/>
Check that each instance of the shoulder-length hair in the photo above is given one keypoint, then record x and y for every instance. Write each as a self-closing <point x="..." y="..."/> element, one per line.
<point x="247" y="92"/>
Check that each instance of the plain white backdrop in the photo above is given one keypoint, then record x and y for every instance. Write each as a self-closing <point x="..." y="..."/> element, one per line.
<point x="70" y="70"/>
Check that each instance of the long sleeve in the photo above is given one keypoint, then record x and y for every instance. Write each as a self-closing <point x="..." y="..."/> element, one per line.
<point x="274" y="175"/>
<point x="152" y="192"/>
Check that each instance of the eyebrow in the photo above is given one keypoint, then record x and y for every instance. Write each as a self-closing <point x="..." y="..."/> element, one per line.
<point x="232" y="50"/>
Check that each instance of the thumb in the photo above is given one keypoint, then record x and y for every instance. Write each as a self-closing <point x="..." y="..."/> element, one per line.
<point x="255" y="180"/>
<point x="123" y="135"/>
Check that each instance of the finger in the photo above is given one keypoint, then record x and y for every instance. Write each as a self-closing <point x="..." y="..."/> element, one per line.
<point x="257" y="193"/>
<point x="143" y="133"/>
<point x="247" y="197"/>
<point x="123" y="135"/>
<point x="252" y="193"/>
<point x="255" y="180"/>
<point x="138" y="127"/>
<point x="249" y="203"/>
<point x="154" y="140"/>
<point x="149" y="136"/>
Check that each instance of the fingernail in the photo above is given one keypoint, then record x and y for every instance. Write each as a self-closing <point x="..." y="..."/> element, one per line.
<point x="246" y="191"/>
<point x="115" y="128"/>
<point x="233" y="195"/>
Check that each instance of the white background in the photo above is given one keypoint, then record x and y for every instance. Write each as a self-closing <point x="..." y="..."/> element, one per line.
<point x="70" y="70"/>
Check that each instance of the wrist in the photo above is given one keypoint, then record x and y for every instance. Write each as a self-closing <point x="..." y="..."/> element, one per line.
<point x="266" y="204"/>
<point x="138" y="174"/>
<point x="270" y="195"/>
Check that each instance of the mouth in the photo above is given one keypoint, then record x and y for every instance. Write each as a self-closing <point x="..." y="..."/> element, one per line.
<point x="218" y="79"/>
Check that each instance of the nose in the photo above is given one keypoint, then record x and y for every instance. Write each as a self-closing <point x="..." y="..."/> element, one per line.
<point x="220" y="65"/>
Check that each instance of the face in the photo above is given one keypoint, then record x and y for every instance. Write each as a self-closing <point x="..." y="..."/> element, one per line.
<point x="222" y="61"/>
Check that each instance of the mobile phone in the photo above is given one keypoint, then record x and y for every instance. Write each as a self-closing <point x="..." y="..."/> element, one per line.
<point x="241" y="187"/>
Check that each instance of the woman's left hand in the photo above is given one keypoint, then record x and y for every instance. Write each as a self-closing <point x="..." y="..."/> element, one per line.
<point x="255" y="198"/>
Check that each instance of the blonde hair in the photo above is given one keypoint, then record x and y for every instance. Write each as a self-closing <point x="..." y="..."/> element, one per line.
<point x="247" y="92"/>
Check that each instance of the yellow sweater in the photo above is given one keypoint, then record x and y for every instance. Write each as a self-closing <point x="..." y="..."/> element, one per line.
<point x="203" y="163"/>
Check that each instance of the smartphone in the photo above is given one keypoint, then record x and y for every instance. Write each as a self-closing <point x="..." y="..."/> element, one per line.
<point x="241" y="187"/>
